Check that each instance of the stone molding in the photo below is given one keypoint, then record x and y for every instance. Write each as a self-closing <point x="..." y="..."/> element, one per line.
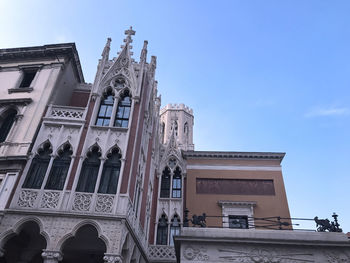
<point x="233" y="155"/>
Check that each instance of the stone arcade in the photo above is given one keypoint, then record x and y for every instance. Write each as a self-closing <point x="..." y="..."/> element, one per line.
<point x="100" y="173"/>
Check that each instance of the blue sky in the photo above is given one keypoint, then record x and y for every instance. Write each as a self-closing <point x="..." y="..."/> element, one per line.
<point x="259" y="75"/>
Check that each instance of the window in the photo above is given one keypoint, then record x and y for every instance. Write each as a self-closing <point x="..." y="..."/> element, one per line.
<point x="165" y="184"/>
<point x="89" y="171"/>
<point x="59" y="169"/>
<point x="238" y="222"/>
<point x="28" y="76"/>
<point x="162" y="231"/>
<point x="174" y="229"/>
<point x="176" y="191"/>
<point x="186" y="128"/>
<point x="176" y="127"/>
<point x="123" y="111"/>
<point x="6" y="123"/>
<point x="38" y="167"/>
<point x="110" y="173"/>
<point x="106" y="109"/>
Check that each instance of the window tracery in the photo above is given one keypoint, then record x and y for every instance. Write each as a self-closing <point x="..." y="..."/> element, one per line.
<point x="162" y="230"/>
<point x="171" y="180"/>
<point x="38" y="167"/>
<point x="89" y="171"/>
<point x="106" y="109"/>
<point x="174" y="229"/>
<point x="110" y="173"/>
<point x="123" y="110"/>
<point x="59" y="169"/>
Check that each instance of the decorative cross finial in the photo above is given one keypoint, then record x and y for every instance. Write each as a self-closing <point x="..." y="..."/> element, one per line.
<point x="128" y="34"/>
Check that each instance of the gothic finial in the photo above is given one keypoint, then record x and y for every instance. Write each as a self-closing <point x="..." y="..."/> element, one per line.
<point x="144" y="52"/>
<point x="105" y="51"/>
<point x="128" y="34"/>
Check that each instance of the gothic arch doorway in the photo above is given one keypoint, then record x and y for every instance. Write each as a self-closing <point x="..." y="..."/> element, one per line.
<point x="26" y="246"/>
<point x="84" y="247"/>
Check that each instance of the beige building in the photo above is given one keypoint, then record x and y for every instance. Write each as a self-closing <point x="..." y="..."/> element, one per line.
<point x="101" y="173"/>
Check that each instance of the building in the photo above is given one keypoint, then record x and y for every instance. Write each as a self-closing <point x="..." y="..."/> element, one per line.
<point x="100" y="173"/>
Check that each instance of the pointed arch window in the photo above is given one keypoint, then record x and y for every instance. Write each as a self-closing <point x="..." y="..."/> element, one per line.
<point x="106" y="109"/>
<point x="162" y="231"/>
<point x="59" y="169"/>
<point x="89" y="171"/>
<point x="123" y="110"/>
<point x="176" y="188"/>
<point x="6" y="124"/>
<point x="174" y="229"/>
<point x="176" y="127"/>
<point x="38" y="167"/>
<point x="165" y="184"/>
<point x="110" y="173"/>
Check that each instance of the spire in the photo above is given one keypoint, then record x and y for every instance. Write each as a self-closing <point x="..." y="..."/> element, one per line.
<point x="144" y="52"/>
<point x="128" y="40"/>
<point x="105" y="52"/>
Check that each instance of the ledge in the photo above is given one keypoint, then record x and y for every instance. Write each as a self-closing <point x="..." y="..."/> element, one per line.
<point x="16" y="101"/>
<point x="20" y="90"/>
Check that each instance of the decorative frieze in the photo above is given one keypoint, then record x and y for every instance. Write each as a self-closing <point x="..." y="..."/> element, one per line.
<point x="82" y="202"/>
<point x="104" y="203"/>
<point x="50" y="199"/>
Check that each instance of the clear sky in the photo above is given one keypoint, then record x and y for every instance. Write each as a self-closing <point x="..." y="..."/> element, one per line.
<point x="259" y="75"/>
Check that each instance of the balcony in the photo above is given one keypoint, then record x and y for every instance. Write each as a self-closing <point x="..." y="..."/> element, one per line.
<point x="65" y="114"/>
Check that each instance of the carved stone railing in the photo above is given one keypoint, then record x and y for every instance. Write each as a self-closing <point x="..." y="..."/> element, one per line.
<point x="50" y="199"/>
<point x="28" y="198"/>
<point x="95" y="203"/>
<point x="161" y="253"/>
<point x="67" y="113"/>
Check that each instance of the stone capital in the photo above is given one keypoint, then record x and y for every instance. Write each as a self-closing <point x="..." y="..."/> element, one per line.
<point x="51" y="256"/>
<point x="112" y="258"/>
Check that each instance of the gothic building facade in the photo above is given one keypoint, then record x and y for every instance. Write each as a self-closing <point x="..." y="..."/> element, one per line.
<point x="101" y="173"/>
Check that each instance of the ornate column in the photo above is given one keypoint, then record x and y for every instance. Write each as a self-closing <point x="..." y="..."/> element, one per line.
<point x="51" y="256"/>
<point x="112" y="258"/>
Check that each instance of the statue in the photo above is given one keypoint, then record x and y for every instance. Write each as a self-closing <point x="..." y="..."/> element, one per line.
<point x="324" y="225"/>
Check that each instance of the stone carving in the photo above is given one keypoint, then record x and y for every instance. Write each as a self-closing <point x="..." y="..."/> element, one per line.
<point x="104" y="203"/>
<point x="50" y="200"/>
<point x="161" y="253"/>
<point x="51" y="256"/>
<point x="27" y="198"/>
<point x="258" y="255"/>
<point x="192" y="253"/>
<point x="336" y="257"/>
<point x="82" y="202"/>
<point x="69" y="113"/>
<point x="112" y="258"/>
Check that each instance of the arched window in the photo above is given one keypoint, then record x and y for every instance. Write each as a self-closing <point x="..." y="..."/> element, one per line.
<point x="165" y="184"/>
<point x="186" y="128"/>
<point x="123" y="111"/>
<point x="106" y="109"/>
<point x="59" y="169"/>
<point x="162" y="231"/>
<point x="89" y="171"/>
<point x="176" y="127"/>
<point x="6" y="124"/>
<point x="176" y="191"/>
<point x="38" y="167"/>
<point x="110" y="173"/>
<point x="174" y="229"/>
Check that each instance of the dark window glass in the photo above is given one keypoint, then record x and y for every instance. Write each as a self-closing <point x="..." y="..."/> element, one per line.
<point x="165" y="184"/>
<point x="7" y="123"/>
<point x="163" y="132"/>
<point x="162" y="231"/>
<point x="176" y="192"/>
<point x="38" y="167"/>
<point x="110" y="173"/>
<point x="27" y="78"/>
<point x="105" y="111"/>
<point x="123" y="111"/>
<point x="238" y="222"/>
<point x="174" y="229"/>
<point x="59" y="169"/>
<point x="89" y="172"/>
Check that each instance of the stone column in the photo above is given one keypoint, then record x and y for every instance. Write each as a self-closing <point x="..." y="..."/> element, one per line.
<point x="112" y="258"/>
<point x="50" y="256"/>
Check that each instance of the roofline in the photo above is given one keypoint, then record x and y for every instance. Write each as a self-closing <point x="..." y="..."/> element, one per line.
<point x="51" y="50"/>
<point x="234" y="155"/>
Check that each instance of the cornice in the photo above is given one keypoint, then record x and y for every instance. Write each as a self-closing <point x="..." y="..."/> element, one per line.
<point x="16" y="101"/>
<point x="233" y="155"/>
<point x="53" y="51"/>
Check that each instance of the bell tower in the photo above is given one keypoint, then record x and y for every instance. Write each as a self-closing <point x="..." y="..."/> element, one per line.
<point x="177" y="118"/>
